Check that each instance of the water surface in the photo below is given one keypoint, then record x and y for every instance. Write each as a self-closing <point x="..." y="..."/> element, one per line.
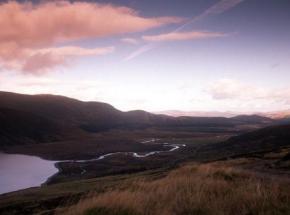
<point x="23" y="171"/>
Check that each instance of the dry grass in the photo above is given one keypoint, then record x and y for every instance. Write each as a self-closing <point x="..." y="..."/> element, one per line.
<point x="192" y="189"/>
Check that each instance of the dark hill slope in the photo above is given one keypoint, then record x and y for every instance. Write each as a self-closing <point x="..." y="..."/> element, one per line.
<point x="17" y="127"/>
<point x="253" y="119"/>
<point x="277" y="134"/>
<point x="265" y="139"/>
<point x="60" y="109"/>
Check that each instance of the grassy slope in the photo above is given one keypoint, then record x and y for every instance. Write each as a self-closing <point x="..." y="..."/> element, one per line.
<point x="191" y="189"/>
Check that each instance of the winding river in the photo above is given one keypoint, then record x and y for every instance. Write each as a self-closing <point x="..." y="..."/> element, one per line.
<point x="172" y="147"/>
<point x="23" y="171"/>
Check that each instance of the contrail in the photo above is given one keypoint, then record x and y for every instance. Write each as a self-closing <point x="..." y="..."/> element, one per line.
<point x="218" y="8"/>
<point x="140" y="51"/>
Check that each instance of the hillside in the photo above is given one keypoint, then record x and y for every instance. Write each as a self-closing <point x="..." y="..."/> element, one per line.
<point x="261" y="140"/>
<point x="253" y="119"/>
<point x="61" y="109"/>
<point x="18" y="127"/>
<point x="192" y="189"/>
<point x="266" y="138"/>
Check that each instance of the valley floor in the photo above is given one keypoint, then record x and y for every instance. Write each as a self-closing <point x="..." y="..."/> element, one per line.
<point x="118" y="141"/>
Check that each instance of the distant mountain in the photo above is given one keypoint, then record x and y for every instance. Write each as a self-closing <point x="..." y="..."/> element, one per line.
<point x="280" y="117"/>
<point x="253" y="119"/>
<point x="278" y="114"/>
<point x="44" y="118"/>
<point x="177" y="113"/>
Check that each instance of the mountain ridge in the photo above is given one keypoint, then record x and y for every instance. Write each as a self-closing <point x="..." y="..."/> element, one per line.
<point x="78" y="116"/>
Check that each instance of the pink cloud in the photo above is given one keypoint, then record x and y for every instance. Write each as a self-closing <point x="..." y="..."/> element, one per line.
<point x="46" y="59"/>
<point x="129" y="40"/>
<point x="75" y="51"/>
<point x="28" y="27"/>
<point x="38" y="61"/>
<point x="175" y="36"/>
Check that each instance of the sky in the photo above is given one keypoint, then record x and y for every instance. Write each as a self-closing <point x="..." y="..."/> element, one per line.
<point x="155" y="55"/>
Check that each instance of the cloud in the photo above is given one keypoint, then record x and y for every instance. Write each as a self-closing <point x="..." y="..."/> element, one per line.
<point x="75" y="51"/>
<point x="43" y="60"/>
<point x="28" y="27"/>
<point x="129" y="40"/>
<point x="42" y="24"/>
<point x="233" y="90"/>
<point x="38" y="61"/>
<point x="176" y="36"/>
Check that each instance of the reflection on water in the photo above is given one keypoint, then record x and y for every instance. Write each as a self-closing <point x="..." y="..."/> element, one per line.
<point x="23" y="171"/>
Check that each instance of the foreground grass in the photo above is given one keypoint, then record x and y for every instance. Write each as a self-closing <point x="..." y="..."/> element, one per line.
<point x="192" y="189"/>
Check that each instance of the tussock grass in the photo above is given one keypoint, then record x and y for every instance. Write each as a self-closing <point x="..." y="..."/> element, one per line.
<point x="193" y="189"/>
